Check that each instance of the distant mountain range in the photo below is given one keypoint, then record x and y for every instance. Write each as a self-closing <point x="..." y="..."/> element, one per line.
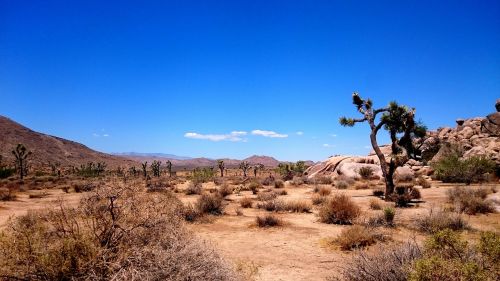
<point x="50" y="149"/>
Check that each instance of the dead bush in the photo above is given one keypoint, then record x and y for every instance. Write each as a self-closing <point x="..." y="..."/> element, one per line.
<point x="356" y="237"/>
<point x="116" y="233"/>
<point x="279" y="184"/>
<point x="280" y="192"/>
<point x="268" y="181"/>
<point x="423" y="182"/>
<point x="210" y="204"/>
<point x="318" y="199"/>
<point x="266" y="196"/>
<point x="339" y="209"/>
<point x="323" y="180"/>
<point x="254" y="186"/>
<point x="388" y="263"/>
<point x="470" y="201"/>
<point x="190" y="213"/>
<point x="324" y="191"/>
<point x="272" y="205"/>
<point x="341" y="184"/>
<point x="366" y="172"/>
<point x="375" y="204"/>
<point x="225" y="190"/>
<point x="246" y="202"/>
<point x="6" y="194"/>
<point x="268" y="221"/>
<point x="84" y="187"/>
<point x="437" y="220"/>
<point x="297" y="181"/>
<point x="193" y="188"/>
<point x="297" y="206"/>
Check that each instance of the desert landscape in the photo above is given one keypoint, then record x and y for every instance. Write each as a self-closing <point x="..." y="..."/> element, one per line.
<point x="249" y="141"/>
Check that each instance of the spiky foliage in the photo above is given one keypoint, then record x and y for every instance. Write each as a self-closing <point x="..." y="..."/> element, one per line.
<point x="257" y="168"/>
<point x="21" y="153"/>
<point x="244" y="166"/>
<point x="156" y="168"/>
<point x="220" y="165"/>
<point x="145" y="169"/>
<point x="169" y="167"/>
<point x="399" y="121"/>
<point x="289" y="170"/>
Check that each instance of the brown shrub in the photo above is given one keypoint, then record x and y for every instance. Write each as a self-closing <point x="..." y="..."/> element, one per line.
<point x="190" y="213"/>
<point x="356" y="236"/>
<point x="297" y="206"/>
<point x="210" y="204"/>
<point x="6" y="194"/>
<point x="470" y="201"/>
<point x="272" y="205"/>
<point x="423" y="182"/>
<point x="436" y="221"/>
<point x="254" y="186"/>
<point x="279" y="184"/>
<point x="375" y="204"/>
<point x="339" y="209"/>
<point x="324" y="191"/>
<point x="84" y="243"/>
<point x="341" y="184"/>
<point x="280" y="192"/>
<point x="225" y="190"/>
<point x="268" y="221"/>
<point x="366" y="172"/>
<point x="266" y="196"/>
<point x="318" y="199"/>
<point x="246" y="202"/>
<point x="297" y="181"/>
<point x="323" y="180"/>
<point x="193" y="188"/>
<point x="268" y="181"/>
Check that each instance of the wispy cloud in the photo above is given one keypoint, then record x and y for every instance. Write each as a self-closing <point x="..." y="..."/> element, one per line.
<point x="327" y="145"/>
<point x="367" y="147"/>
<point x="268" y="134"/>
<point x="299" y="133"/>
<point x="96" y="135"/>
<point x="333" y="135"/>
<point x="233" y="136"/>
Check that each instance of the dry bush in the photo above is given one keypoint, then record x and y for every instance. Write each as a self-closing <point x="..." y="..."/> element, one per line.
<point x="116" y="233"/>
<point x="210" y="204"/>
<point x="38" y="195"/>
<point x="387" y="263"/>
<point x="268" y="181"/>
<point x="341" y="184"/>
<point x="404" y="195"/>
<point x="84" y="187"/>
<point x="218" y="181"/>
<point x="375" y="204"/>
<point x="279" y="184"/>
<point x="363" y="185"/>
<point x="297" y="206"/>
<point x="268" y="221"/>
<point x="225" y="190"/>
<point x="254" y="186"/>
<point x="280" y="192"/>
<point x="339" y="209"/>
<point x="423" y="182"/>
<point x="318" y="199"/>
<point x="246" y="202"/>
<point x="439" y="220"/>
<point x="193" y="188"/>
<point x="356" y="237"/>
<point x="272" y="205"/>
<point x="297" y="181"/>
<point x="365" y="172"/>
<point x="470" y="201"/>
<point x="6" y="194"/>
<point x="266" y="196"/>
<point x="323" y="180"/>
<point x="324" y="191"/>
<point x="379" y="192"/>
<point x="190" y="213"/>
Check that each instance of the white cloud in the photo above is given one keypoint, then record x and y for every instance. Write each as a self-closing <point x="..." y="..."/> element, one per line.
<point x="95" y="135"/>
<point x="333" y="135"/>
<point x="299" y="133"/>
<point x="105" y="135"/>
<point x="233" y="136"/>
<point x="328" y="145"/>
<point x="268" y="134"/>
<point x="367" y="147"/>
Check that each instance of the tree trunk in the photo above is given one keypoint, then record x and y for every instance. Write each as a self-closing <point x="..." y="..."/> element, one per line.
<point x="389" y="183"/>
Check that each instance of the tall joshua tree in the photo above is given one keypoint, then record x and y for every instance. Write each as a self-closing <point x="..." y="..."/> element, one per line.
<point x="220" y="164"/>
<point x="257" y="168"/>
<point x="399" y="121"/>
<point x="244" y="166"/>
<point x="21" y="154"/>
<point x="169" y="168"/>
<point x="145" y="169"/>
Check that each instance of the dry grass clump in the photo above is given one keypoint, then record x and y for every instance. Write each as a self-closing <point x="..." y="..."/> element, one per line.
<point x="193" y="188"/>
<point x="339" y="209"/>
<point x="6" y="194"/>
<point x="391" y="263"/>
<point x="341" y="184"/>
<point x="268" y="220"/>
<point x="84" y="187"/>
<point x="268" y="181"/>
<point x="318" y="199"/>
<point x="363" y="185"/>
<point x="297" y="181"/>
<point x="366" y="172"/>
<point x="324" y="191"/>
<point x="323" y="180"/>
<point x="225" y="190"/>
<point x="470" y="201"/>
<point x="210" y="204"/>
<point x="423" y="182"/>
<point x="378" y="191"/>
<point x="297" y="206"/>
<point x="375" y="204"/>
<point x="439" y="220"/>
<point x="266" y="196"/>
<point x="280" y="192"/>
<point x="279" y="184"/>
<point x="246" y="202"/>
<point x="38" y="195"/>
<point x="254" y="186"/>
<point x="357" y="236"/>
<point x="272" y="205"/>
<point x="116" y="233"/>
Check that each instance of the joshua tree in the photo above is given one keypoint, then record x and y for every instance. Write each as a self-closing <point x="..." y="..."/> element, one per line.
<point x="21" y="154"/>
<point x="155" y="166"/>
<point x="257" y="168"/>
<point x="399" y="121"/>
<point x="145" y="169"/>
<point x="220" y="164"/>
<point x="244" y="166"/>
<point x="169" y="167"/>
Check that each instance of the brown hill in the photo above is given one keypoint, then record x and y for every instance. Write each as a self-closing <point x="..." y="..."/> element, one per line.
<point x="46" y="148"/>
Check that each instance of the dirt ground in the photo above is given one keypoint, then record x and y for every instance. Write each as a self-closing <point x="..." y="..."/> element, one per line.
<point x="295" y="251"/>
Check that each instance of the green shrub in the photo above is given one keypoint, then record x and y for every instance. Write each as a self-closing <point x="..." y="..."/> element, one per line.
<point x="6" y="172"/>
<point x="452" y="168"/>
<point x="201" y="175"/>
<point x="389" y="214"/>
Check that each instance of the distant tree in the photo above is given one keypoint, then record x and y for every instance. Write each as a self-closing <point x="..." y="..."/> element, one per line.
<point x="156" y="168"/>
<point x="21" y="154"/>
<point x="169" y="167"/>
<point x="399" y="121"/>
<point x="145" y="169"/>
<point x="257" y="168"/>
<point x="220" y="164"/>
<point x="244" y="166"/>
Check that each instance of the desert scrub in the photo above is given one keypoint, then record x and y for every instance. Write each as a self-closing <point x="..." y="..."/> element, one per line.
<point x="279" y="184"/>
<point x="318" y="199"/>
<point x="366" y="172"/>
<point x="268" y="221"/>
<point x="470" y="201"/>
<point x="389" y="214"/>
<point x="375" y="204"/>
<point x="339" y="209"/>
<point x="84" y="242"/>
<point x="210" y="204"/>
<point x="254" y="186"/>
<point x="423" y="182"/>
<point x="193" y="188"/>
<point x="323" y="190"/>
<point x="225" y="190"/>
<point x="356" y="237"/>
<point x="453" y="168"/>
<point x="266" y="196"/>
<point x="437" y="220"/>
<point x="272" y="205"/>
<point x="6" y="194"/>
<point x="297" y="206"/>
<point x="246" y="202"/>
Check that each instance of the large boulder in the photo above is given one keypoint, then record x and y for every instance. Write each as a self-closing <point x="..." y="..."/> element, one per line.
<point x="491" y="125"/>
<point x="404" y="173"/>
<point x="351" y="170"/>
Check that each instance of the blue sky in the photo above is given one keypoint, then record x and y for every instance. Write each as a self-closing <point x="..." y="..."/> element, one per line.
<point x="217" y="78"/>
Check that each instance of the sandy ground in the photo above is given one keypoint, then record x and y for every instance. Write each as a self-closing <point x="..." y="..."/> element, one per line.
<point x="295" y="251"/>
